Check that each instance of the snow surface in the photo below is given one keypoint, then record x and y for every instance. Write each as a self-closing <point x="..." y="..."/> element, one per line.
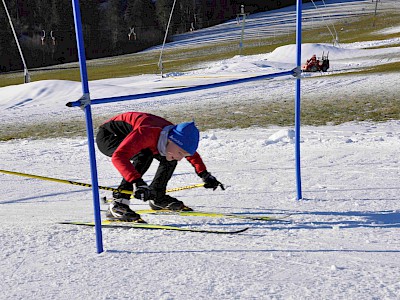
<point x="342" y="240"/>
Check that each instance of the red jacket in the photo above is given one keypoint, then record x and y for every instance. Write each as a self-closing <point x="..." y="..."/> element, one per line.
<point x="141" y="131"/>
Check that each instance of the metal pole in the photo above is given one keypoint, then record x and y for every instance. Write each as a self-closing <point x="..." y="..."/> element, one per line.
<point x="182" y="90"/>
<point x="88" y="185"/>
<point x="298" y="100"/>
<point x="85" y="101"/>
<point x="243" y="14"/>
<point x="160" y="64"/>
<point x="27" y="78"/>
<point x="376" y="7"/>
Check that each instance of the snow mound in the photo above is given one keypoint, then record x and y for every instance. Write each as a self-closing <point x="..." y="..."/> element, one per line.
<point x="41" y="93"/>
<point x="283" y="136"/>
<point x="390" y="30"/>
<point x="288" y="53"/>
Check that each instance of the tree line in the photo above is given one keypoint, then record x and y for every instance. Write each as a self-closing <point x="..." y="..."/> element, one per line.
<point x="46" y="30"/>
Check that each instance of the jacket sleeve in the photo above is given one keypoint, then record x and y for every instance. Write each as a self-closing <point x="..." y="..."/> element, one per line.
<point x="136" y="141"/>
<point x="197" y="162"/>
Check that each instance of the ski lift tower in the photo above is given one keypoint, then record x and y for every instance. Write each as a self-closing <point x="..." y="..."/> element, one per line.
<point x="243" y="16"/>
<point x="26" y="74"/>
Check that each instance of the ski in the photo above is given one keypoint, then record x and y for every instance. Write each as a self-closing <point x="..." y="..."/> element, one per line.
<point x="130" y="225"/>
<point x="195" y="213"/>
<point x="213" y="215"/>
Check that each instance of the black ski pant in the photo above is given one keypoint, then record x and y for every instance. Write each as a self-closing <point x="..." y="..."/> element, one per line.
<point x="108" y="142"/>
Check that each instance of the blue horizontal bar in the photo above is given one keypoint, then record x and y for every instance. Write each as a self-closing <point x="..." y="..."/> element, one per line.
<point x="180" y="90"/>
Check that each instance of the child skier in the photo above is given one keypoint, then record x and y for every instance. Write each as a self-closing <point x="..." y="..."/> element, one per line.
<point x="132" y="140"/>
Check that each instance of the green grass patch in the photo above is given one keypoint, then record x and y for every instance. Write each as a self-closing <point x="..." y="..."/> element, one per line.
<point x="384" y="68"/>
<point x="315" y="111"/>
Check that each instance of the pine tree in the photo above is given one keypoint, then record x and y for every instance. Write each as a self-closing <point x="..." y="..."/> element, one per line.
<point x="163" y="9"/>
<point x="113" y="24"/>
<point x="186" y="13"/>
<point x="141" y="16"/>
<point x="7" y="42"/>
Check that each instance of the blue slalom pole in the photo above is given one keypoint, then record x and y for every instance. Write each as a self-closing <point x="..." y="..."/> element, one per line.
<point x="298" y="100"/>
<point x="182" y="90"/>
<point x="85" y="104"/>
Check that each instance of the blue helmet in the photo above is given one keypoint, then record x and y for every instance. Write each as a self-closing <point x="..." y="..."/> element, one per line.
<point x="186" y="136"/>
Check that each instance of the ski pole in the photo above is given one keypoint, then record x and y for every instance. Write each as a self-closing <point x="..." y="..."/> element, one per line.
<point x="186" y="187"/>
<point x="89" y="185"/>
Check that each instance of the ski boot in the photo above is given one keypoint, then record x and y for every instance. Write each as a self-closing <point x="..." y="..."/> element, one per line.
<point x="119" y="210"/>
<point x="167" y="202"/>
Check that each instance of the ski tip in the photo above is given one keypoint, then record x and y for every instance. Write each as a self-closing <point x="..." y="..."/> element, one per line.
<point x="243" y="230"/>
<point x="186" y="208"/>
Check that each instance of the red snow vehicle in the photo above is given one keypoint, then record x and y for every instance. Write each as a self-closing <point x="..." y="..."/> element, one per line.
<point x="314" y="64"/>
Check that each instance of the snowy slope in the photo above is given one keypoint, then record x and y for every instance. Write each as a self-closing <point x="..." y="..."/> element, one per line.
<point x="278" y="22"/>
<point x="341" y="241"/>
<point x="27" y="101"/>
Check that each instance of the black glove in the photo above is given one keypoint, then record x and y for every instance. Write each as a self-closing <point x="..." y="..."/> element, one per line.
<point x="141" y="190"/>
<point x="210" y="182"/>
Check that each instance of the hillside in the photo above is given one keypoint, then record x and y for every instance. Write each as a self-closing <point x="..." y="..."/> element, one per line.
<point x="356" y="73"/>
